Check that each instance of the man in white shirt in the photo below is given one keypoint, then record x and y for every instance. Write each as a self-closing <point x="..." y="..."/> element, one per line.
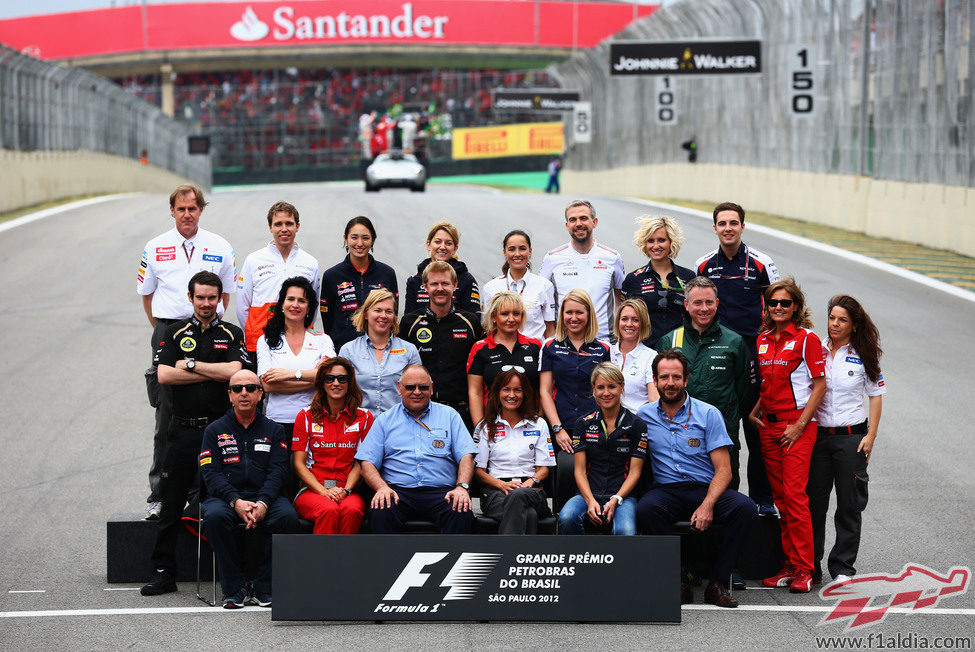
<point x="264" y="270"/>
<point x="168" y="262"/>
<point x="585" y="264"/>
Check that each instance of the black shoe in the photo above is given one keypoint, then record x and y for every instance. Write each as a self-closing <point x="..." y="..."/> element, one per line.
<point x="235" y="601"/>
<point x="162" y="582"/>
<point x="686" y="593"/>
<point x="717" y="594"/>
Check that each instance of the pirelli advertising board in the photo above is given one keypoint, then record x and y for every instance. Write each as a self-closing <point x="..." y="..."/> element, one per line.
<point x="534" y="138"/>
<point x="476" y="578"/>
<point x="688" y="58"/>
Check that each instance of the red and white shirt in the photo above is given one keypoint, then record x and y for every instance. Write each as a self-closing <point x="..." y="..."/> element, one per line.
<point x="787" y="368"/>
<point x="330" y="444"/>
<point x="846" y="383"/>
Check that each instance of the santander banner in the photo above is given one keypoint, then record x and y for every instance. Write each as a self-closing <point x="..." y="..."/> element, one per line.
<point x="318" y="22"/>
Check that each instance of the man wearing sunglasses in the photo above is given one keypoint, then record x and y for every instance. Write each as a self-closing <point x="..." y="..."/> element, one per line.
<point x="243" y="462"/>
<point x="444" y="337"/>
<point x="196" y="357"/>
<point x="741" y="275"/>
<point x="419" y="459"/>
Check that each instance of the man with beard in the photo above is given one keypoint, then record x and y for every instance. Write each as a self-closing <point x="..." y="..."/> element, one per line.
<point x="585" y="264"/>
<point x="688" y="448"/>
<point x="444" y="337"/>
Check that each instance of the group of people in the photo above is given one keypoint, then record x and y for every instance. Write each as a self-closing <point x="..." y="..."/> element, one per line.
<point x="495" y="384"/>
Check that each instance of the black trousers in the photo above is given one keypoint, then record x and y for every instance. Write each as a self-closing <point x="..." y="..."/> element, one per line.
<point x="422" y="503"/>
<point x="836" y="462"/>
<point x="178" y="477"/>
<point x="517" y="511"/>
<point x="164" y="414"/>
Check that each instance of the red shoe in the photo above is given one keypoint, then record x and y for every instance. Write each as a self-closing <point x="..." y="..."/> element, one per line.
<point x="782" y="578"/>
<point x="801" y="583"/>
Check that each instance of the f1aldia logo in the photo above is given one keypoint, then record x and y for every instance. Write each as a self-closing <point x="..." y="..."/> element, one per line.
<point x="463" y="580"/>
<point x="866" y="599"/>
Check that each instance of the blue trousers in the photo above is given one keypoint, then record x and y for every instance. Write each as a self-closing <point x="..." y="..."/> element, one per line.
<point x="425" y="503"/>
<point x="572" y="518"/>
<point x="220" y="522"/>
<point x="664" y="504"/>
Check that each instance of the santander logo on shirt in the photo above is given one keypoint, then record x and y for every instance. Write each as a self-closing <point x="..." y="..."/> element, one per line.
<point x="288" y="26"/>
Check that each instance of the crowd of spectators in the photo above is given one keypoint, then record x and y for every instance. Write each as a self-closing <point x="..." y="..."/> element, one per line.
<point x="305" y="118"/>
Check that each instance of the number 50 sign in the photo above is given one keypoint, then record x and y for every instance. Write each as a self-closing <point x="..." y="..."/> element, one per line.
<point x="802" y="82"/>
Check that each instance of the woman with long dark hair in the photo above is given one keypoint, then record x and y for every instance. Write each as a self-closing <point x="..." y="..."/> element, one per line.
<point x="288" y="352"/>
<point x="326" y="435"/>
<point x="845" y="434"/>
<point x="514" y="453"/>
<point x="346" y="285"/>
<point x="516" y="276"/>
<point x="790" y="361"/>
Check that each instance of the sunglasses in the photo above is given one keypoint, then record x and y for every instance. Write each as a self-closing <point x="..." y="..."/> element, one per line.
<point x="250" y="387"/>
<point x="328" y="379"/>
<point x="785" y="303"/>
<point x="516" y="367"/>
<point x="414" y="388"/>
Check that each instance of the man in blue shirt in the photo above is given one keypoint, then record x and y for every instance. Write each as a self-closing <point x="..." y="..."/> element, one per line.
<point x="419" y="458"/>
<point x="688" y="448"/>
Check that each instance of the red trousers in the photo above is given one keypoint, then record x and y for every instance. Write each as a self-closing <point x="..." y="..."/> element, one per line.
<point x="788" y="473"/>
<point x="329" y="516"/>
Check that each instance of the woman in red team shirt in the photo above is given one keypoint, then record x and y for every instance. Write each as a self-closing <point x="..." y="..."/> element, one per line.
<point x="326" y="435"/>
<point x="792" y="368"/>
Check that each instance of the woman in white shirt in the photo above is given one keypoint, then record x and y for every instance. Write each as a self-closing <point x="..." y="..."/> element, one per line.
<point x="845" y="435"/>
<point x="514" y="453"/>
<point x="288" y="352"/>
<point x="632" y="356"/>
<point x="537" y="293"/>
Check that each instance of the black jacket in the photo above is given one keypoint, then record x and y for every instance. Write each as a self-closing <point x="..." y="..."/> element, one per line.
<point x="467" y="297"/>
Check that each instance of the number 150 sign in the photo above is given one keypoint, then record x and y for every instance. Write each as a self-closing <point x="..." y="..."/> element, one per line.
<point x="802" y="82"/>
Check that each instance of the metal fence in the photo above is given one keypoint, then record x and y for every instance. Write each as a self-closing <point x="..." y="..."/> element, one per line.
<point x="45" y="106"/>
<point x="914" y="61"/>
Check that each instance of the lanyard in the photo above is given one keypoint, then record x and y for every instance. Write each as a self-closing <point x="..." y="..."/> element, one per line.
<point x="524" y="284"/>
<point x="686" y="421"/>
<point x="189" y="254"/>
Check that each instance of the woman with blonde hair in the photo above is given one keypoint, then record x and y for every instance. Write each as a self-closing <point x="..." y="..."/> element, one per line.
<point x="379" y="357"/>
<point x="443" y="240"/>
<point x="567" y="361"/>
<point x="793" y="382"/>
<point x="632" y="356"/>
<point x="659" y="283"/>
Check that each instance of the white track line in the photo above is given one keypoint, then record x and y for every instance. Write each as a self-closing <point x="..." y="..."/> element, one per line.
<point x="48" y="212"/>
<point x="27" y="591"/>
<point x="836" y="251"/>
<point x="125" y="588"/>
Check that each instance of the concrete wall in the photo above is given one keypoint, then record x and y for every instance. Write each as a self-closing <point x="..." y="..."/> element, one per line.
<point x="28" y="178"/>
<point x="937" y="216"/>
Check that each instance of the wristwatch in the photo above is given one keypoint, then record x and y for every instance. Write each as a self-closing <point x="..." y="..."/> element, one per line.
<point x="463" y="485"/>
<point x="298" y="375"/>
<point x="535" y="480"/>
<point x="190" y="364"/>
<point x="619" y="499"/>
<point x="557" y="428"/>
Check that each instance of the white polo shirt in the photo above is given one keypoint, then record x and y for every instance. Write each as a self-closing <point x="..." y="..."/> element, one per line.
<point x="598" y="272"/>
<point x="537" y="293"/>
<point x="263" y="273"/>
<point x="637" y="373"/>
<point x="283" y="408"/>
<point x="169" y="261"/>
<point x="516" y="450"/>
<point x="846" y="383"/>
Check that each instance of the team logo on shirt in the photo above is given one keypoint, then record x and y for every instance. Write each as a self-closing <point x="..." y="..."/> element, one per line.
<point x="694" y="442"/>
<point x="166" y="250"/>
<point x="162" y="257"/>
<point x="424" y="335"/>
<point x="531" y="433"/>
<point x="397" y="351"/>
<point x="317" y="427"/>
<point x="762" y="349"/>
<point x="187" y="344"/>
<point x="438" y="443"/>
<point x="210" y="258"/>
<point x="353" y="428"/>
<point x="789" y="346"/>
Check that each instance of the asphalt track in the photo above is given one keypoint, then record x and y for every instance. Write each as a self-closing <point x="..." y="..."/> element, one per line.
<point x="75" y="427"/>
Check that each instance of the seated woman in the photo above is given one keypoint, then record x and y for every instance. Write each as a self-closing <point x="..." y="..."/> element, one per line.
<point x="325" y="439"/>
<point x="632" y="356"/>
<point x="379" y="357"/>
<point x="514" y="453"/>
<point x="288" y="352"/>
<point x="504" y="348"/>
<point x="610" y="445"/>
<point x="567" y="363"/>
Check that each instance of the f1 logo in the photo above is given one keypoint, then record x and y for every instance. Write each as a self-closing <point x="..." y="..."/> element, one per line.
<point x="464" y="578"/>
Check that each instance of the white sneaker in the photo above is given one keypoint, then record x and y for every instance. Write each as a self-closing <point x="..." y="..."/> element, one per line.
<point x="841" y="578"/>
<point x="152" y="510"/>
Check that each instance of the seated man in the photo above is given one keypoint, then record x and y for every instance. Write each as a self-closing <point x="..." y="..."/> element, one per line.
<point x="426" y="458"/>
<point x="243" y="462"/>
<point x="688" y="448"/>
